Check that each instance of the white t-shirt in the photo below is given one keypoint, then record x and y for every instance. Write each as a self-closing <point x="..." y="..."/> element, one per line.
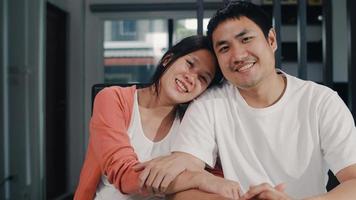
<point x="145" y="150"/>
<point x="295" y="141"/>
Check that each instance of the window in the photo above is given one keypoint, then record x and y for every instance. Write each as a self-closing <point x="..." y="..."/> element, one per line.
<point x="187" y="27"/>
<point x="120" y="30"/>
<point x="132" y="49"/>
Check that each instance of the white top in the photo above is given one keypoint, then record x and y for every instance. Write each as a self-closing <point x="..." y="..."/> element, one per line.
<point x="294" y="141"/>
<point x="145" y="150"/>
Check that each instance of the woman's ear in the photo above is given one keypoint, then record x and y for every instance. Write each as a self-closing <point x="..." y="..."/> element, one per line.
<point x="166" y="59"/>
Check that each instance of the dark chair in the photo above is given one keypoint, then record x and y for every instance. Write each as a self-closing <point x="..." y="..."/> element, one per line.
<point x="332" y="182"/>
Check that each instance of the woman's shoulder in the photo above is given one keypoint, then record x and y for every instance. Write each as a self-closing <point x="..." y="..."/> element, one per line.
<point x="117" y="91"/>
<point x="114" y="96"/>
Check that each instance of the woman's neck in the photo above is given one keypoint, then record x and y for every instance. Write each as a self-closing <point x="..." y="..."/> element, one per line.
<point x="156" y="117"/>
<point x="150" y="101"/>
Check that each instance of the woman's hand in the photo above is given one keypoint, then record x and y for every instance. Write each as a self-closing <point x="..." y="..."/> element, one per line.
<point x="158" y="173"/>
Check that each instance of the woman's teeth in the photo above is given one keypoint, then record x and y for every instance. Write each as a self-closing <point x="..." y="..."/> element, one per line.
<point x="181" y="85"/>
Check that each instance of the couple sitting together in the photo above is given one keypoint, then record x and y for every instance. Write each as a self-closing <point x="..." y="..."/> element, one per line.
<point x="257" y="133"/>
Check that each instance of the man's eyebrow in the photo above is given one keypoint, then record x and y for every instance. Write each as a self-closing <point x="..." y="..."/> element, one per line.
<point x="219" y="43"/>
<point x="242" y="33"/>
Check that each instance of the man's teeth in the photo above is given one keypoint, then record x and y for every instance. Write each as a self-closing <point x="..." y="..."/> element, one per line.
<point x="246" y="67"/>
<point x="181" y="85"/>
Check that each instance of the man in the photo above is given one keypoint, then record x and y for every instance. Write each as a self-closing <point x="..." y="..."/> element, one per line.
<point x="266" y="126"/>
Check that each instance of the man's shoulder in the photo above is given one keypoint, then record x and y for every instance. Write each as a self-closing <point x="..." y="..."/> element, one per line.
<point x="307" y="86"/>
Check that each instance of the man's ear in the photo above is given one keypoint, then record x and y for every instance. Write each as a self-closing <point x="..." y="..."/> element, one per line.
<point x="166" y="59"/>
<point x="272" y="39"/>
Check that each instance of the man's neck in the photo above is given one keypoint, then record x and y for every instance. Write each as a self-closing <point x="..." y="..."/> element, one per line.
<point x="266" y="93"/>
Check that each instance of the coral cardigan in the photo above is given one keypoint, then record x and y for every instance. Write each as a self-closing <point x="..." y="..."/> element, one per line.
<point x="109" y="150"/>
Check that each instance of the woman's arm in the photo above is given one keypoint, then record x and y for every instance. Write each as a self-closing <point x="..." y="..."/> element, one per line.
<point x="109" y="139"/>
<point x="109" y="151"/>
<point x="181" y="171"/>
<point x="158" y="173"/>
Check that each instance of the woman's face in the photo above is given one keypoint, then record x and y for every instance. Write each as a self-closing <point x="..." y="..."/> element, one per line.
<point x="188" y="77"/>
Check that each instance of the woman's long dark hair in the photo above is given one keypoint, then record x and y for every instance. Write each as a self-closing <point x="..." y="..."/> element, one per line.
<point x="182" y="48"/>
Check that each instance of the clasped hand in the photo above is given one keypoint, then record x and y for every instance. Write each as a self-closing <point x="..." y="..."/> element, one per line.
<point x="157" y="174"/>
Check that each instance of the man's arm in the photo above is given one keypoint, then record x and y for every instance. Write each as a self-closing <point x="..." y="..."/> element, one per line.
<point x="205" y="182"/>
<point x="347" y="187"/>
<point x="195" y="194"/>
<point x="338" y="140"/>
<point x="345" y="191"/>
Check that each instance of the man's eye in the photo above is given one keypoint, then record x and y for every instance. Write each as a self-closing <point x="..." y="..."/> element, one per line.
<point x="223" y="49"/>
<point x="246" y="39"/>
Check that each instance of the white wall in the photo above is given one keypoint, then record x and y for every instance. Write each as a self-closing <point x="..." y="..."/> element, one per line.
<point x="75" y="77"/>
<point x="24" y="76"/>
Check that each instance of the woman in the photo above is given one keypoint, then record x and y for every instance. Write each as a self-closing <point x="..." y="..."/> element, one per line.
<point x="132" y="125"/>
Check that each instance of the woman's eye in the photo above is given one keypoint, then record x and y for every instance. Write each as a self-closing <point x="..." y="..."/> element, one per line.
<point x="190" y="63"/>
<point x="203" y="78"/>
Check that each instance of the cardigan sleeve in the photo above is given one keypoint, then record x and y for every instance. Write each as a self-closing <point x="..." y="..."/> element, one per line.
<point x="110" y="141"/>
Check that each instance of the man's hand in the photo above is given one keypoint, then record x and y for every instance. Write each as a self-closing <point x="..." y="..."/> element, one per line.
<point x="158" y="173"/>
<point x="266" y="192"/>
<point x="217" y="185"/>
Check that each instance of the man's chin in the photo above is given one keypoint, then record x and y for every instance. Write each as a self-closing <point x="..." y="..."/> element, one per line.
<point x="246" y="86"/>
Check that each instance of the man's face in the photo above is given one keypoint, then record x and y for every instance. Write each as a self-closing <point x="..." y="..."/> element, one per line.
<point x="245" y="56"/>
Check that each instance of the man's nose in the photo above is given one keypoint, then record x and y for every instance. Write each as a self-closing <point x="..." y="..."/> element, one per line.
<point x="238" y="54"/>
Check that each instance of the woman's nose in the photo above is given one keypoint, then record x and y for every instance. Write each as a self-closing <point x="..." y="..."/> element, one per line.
<point x="190" y="78"/>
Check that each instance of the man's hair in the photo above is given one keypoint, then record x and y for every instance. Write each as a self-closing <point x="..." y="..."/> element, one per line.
<point x="237" y="9"/>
